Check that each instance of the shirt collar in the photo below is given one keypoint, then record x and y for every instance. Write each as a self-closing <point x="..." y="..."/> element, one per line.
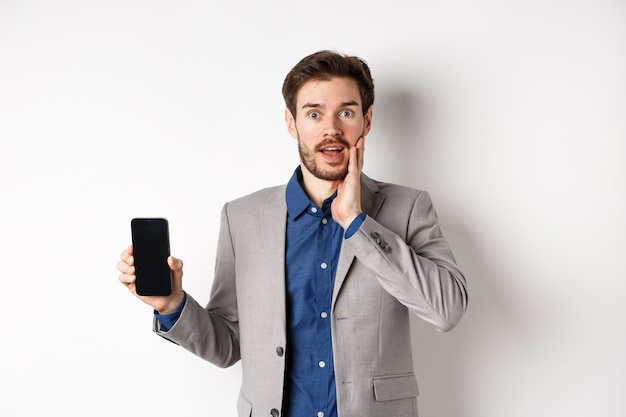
<point x="297" y="200"/>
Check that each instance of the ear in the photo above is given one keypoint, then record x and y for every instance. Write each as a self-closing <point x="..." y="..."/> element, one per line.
<point x="367" y="121"/>
<point x="291" y="124"/>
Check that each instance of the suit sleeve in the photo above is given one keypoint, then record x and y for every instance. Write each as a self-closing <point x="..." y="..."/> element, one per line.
<point x="419" y="271"/>
<point x="212" y="333"/>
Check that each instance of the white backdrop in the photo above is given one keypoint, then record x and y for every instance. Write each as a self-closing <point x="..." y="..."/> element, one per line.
<point x="511" y="113"/>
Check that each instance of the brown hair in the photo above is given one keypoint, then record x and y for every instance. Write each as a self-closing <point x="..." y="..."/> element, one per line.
<point x="324" y="65"/>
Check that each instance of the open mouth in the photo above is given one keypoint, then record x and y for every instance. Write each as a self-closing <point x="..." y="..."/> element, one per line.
<point x="333" y="147"/>
<point x="332" y="150"/>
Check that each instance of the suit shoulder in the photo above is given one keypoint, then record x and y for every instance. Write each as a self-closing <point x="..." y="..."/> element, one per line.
<point x="260" y="197"/>
<point x="393" y="190"/>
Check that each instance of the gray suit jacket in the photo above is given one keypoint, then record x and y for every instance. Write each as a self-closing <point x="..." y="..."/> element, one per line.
<point x="398" y="262"/>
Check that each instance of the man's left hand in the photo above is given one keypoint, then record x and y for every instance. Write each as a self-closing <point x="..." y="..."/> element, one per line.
<point x="347" y="204"/>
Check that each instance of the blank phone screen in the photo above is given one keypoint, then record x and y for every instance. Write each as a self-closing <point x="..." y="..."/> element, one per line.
<point x="151" y="248"/>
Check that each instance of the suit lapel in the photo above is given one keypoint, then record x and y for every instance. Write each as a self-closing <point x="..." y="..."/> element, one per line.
<point x="371" y="201"/>
<point x="273" y="221"/>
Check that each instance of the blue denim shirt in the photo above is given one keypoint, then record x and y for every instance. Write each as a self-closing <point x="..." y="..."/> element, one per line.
<point x="312" y="250"/>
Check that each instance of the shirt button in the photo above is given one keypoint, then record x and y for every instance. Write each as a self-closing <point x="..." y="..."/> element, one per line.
<point x="274" y="412"/>
<point x="324" y="314"/>
<point x="280" y="351"/>
<point x="324" y="265"/>
<point x="320" y="414"/>
<point x="313" y="209"/>
<point x="324" y="220"/>
<point x="322" y="364"/>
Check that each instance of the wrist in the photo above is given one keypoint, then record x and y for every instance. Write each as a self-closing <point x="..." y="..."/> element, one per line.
<point x="172" y="305"/>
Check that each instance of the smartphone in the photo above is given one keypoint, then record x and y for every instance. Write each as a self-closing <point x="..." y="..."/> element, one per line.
<point x="151" y="248"/>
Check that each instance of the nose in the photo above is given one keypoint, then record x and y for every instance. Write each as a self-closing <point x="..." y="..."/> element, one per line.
<point x="332" y="128"/>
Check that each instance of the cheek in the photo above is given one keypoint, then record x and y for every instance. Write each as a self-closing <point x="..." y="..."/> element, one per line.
<point x="308" y="130"/>
<point x="354" y="131"/>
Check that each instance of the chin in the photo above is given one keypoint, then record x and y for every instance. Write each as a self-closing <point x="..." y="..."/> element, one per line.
<point x="332" y="175"/>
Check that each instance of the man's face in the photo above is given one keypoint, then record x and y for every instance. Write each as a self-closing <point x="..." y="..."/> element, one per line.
<point x="329" y="120"/>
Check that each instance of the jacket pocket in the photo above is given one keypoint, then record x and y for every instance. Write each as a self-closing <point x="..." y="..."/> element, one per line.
<point x="395" y="387"/>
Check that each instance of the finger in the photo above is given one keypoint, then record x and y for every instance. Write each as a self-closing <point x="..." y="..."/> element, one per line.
<point x="129" y="261"/>
<point x="175" y="264"/>
<point x="127" y="253"/>
<point x="127" y="279"/>
<point x="360" y="147"/>
<point x="356" y="154"/>
<point x="125" y="268"/>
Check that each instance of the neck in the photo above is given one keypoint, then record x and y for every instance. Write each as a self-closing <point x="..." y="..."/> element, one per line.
<point x="317" y="189"/>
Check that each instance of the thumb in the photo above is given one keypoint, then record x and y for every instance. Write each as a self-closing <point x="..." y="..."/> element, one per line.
<point x="176" y="265"/>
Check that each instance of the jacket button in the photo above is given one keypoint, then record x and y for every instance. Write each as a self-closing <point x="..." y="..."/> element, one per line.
<point x="274" y="412"/>
<point x="280" y="351"/>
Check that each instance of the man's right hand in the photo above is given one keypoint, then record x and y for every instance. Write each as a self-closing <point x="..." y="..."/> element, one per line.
<point x="162" y="304"/>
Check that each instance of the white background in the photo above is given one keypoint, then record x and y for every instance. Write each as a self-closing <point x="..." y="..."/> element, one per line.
<point x="510" y="113"/>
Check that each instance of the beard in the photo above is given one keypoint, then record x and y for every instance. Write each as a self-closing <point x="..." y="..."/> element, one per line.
<point x="308" y="160"/>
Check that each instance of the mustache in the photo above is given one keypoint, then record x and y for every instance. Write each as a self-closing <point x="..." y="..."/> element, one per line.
<point x="334" y="141"/>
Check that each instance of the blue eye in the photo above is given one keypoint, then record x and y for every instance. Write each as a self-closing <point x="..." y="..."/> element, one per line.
<point x="314" y="115"/>
<point x="346" y="113"/>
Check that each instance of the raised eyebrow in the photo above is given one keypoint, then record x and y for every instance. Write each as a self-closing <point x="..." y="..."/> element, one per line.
<point x="318" y="106"/>
<point x="311" y="106"/>
<point x="350" y="103"/>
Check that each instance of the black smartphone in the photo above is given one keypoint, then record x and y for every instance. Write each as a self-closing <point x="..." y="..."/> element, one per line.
<point x="151" y="248"/>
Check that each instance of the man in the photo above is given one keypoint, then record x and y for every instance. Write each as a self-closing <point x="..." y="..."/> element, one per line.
<point x="314" y="279"/>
